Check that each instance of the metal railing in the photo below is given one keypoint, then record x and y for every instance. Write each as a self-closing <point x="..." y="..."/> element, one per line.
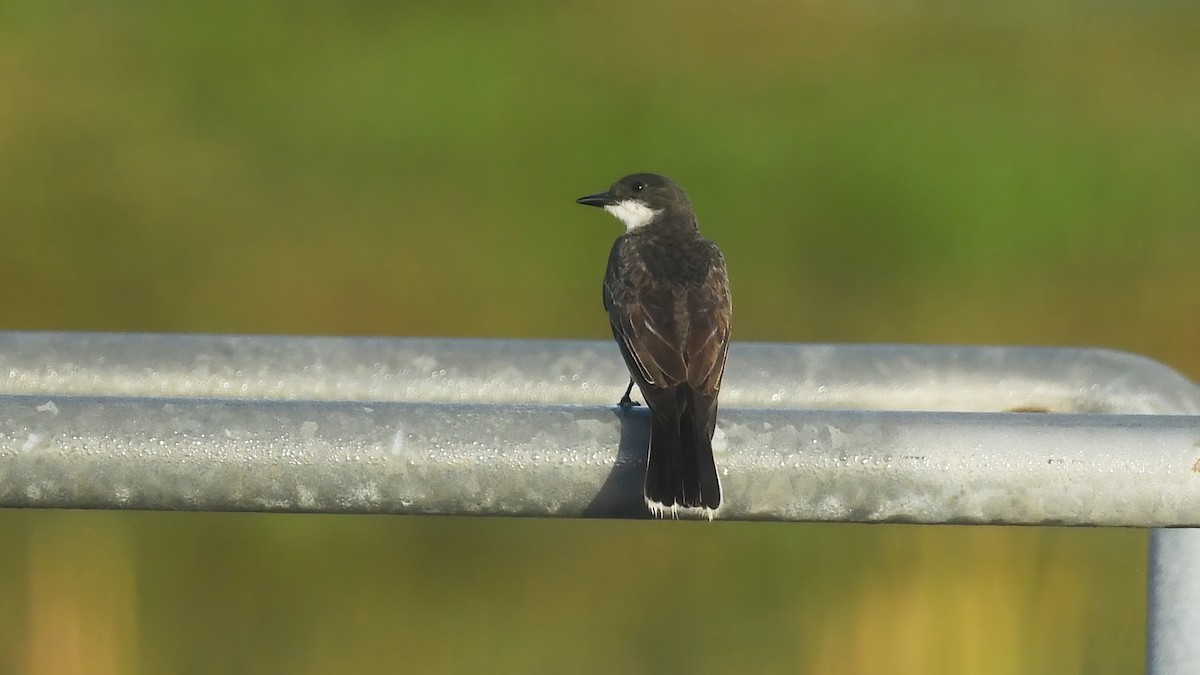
<point x="912" y="434"/>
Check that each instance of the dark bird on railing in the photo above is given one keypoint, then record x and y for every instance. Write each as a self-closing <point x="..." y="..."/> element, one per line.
<point x="667" y="295"/>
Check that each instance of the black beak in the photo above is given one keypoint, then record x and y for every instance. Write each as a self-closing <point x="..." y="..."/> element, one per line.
<point x="598" y="199"/>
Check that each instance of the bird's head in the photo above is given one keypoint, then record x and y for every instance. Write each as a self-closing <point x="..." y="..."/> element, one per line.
<point x="640" y="199"/>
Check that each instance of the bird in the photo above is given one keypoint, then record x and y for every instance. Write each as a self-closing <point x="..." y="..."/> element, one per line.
<point x="666" y="291"/>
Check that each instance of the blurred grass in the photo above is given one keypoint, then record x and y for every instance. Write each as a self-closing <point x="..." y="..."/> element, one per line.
<point x="311" y="594"/>
<point x="911" y="172"/>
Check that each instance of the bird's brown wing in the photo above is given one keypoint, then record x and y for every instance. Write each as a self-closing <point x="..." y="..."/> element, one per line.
<point x="670" y="334"/>
<point x="710" y="311"/>
<point x="643" y="315"/>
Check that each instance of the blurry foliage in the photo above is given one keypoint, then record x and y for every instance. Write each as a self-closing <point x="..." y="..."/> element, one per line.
<point x="875" y="171"/>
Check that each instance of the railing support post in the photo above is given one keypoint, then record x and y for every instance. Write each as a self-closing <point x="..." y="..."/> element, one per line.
<point x="1173" y="607"/>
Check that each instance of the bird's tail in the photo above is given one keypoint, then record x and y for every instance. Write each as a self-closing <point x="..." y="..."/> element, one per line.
<point x="680" y="471"/>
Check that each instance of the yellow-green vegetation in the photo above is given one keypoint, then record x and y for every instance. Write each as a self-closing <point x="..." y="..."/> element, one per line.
<point x="875" y="171"/>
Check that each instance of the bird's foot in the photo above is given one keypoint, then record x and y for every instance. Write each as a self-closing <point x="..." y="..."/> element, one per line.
<point x="626" y="403"/>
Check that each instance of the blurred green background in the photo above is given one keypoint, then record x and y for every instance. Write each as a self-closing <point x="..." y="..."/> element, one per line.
<point x="1009" y="173"/>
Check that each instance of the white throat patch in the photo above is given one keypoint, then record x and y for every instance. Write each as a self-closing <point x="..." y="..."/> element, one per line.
<point x="633" y="213"/>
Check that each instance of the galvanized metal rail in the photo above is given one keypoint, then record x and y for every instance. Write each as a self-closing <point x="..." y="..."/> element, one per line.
<point x="886" y="433"/>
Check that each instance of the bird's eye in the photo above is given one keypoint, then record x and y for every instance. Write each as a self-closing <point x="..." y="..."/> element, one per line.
<point x="639" y="186"/>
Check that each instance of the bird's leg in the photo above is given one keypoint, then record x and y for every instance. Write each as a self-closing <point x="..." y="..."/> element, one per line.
<point x="626" y="402"/>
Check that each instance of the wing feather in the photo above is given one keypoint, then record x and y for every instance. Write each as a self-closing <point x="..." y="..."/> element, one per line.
<point x="671" y="334"/>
